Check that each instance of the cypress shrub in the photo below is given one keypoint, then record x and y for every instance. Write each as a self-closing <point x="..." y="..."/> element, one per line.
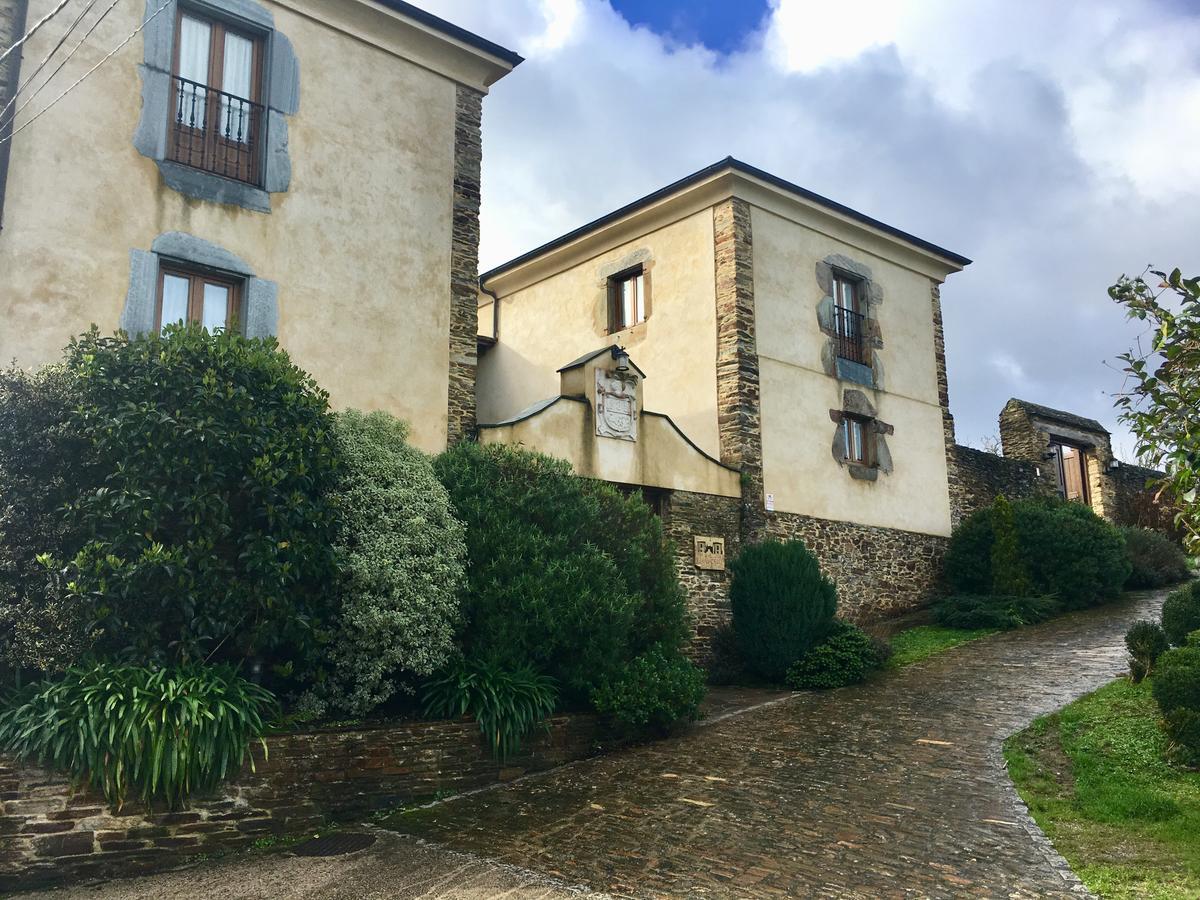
<point x="783" y="606"/>
<point x="1009" y="574"/>
<point x="1181" y="613"/>
<point x="1146" y="642"/>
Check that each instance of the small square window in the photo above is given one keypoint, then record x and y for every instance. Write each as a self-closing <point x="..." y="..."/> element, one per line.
<point x="627" y="299"/>
<point x="197" y="297"/>
<point x="856" y="441"/>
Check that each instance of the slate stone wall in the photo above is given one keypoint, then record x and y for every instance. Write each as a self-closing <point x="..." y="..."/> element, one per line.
<point x="879" y="572"/>
<point x="464" y="265"/>
<point x="981" y="476"/>
<point x="50" y="834"/>
<point x="687" y="515"/>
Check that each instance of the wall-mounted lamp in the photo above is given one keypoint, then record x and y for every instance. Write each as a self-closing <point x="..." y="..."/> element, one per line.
<point x="1049" y="454"/>
<point x="1113" y="465"/>
<point x="622" y="359"/>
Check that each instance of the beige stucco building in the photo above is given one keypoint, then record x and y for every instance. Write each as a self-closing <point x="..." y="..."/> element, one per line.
<point x="306" y="168"/>
<point x="789" y="337"/>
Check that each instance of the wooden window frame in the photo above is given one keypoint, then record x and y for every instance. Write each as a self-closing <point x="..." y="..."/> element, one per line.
<point x="615" y="314"/>
<point x="219" y="28"/>
<point x="868" y="443"/>
<point x="851" y="341"/>
<point x="197" y="278"/>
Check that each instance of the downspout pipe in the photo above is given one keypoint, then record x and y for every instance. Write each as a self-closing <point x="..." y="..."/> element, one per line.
<point x="495" y="309"/>
<point x="10" y="77"/>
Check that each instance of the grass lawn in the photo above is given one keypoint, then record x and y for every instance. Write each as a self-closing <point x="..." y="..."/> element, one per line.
<point x="915" y="644"/>
<point x="1094" y="778"/>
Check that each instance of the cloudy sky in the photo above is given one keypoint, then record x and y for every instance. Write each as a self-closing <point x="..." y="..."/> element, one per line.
<point x="1055" y="143"/>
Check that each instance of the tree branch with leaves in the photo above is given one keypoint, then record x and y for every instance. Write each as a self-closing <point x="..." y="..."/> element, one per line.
<point x="1161" y="402"/>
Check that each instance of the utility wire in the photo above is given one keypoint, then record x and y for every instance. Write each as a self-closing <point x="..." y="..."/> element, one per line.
<point x="115" y="50"/>
<point x="32" y="31"/>
<point x="46" y="59"/>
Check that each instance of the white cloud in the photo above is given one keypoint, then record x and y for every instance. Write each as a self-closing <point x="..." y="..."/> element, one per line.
<point x="1054" y="143"/>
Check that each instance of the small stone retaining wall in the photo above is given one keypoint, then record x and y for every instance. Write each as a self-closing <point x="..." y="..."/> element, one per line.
<point x="51" y="834"/>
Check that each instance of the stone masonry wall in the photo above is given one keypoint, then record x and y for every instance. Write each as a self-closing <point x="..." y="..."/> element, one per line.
<point x="981" y="476"/>
<point x="739" y="418"/>
<point x="50" y="834"/>
<point x="464" y="265"/>
<point x="879" y="572"/>
<point x="686" y="516"/>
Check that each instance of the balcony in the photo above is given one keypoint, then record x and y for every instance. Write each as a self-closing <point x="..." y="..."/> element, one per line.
<point x="215" y="132"/>
<point x="849" y="331"/>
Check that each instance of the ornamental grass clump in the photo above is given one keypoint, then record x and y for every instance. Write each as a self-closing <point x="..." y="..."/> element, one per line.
<point x="136" y="732"/>
<point x="508" y="704"/>
<point x="783" y="606"/>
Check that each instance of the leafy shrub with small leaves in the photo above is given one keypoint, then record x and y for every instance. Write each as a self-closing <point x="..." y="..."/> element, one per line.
<point x="153" y="733"/>
<point x="1010" y="575"/>
<point x="400" y="555"/>
<point x="1181" y="613"/>
<point x="846" y="656"/>
<point x="656" y="691"/>
<point x="565" y="574"/>
<point x="783" y="606"/>
<point x="508" y="704"/>
<point x="971" y="611"/>
<point x="1067" y="550"/>
<point x="1146" y="642"/>
<point x="1176" y="689"/>
<point x="1156" y="560"/>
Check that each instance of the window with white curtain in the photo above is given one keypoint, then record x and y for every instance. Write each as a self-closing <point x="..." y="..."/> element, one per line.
<point x="199" y="297"/>
<point x="217" y="61"/>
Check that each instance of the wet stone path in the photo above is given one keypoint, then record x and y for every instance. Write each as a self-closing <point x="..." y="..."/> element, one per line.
<point x="892" y="789"/>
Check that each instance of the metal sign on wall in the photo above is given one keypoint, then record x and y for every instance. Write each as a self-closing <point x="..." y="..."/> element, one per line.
<point x="710" y="552"/>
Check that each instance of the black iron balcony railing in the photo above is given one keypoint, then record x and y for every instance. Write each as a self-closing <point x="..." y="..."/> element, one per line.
<point x="849" y="328"/>
<point x="215" y="131"/>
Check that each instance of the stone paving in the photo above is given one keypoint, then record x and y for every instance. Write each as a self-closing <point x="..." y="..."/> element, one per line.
<point x="892" y="789"/>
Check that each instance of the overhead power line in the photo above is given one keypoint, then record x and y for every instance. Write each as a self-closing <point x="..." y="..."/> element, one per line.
<point x="78" y="81"/>
<point x="32" y="31"/>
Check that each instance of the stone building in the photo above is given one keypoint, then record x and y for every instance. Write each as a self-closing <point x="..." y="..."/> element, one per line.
<point x="781" y="335"/>
<point x="307" y="169"/>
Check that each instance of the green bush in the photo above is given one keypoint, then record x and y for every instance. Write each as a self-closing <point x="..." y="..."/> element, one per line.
<point x="400" y="562"/>
<point x="725" y="663"/>
<point x="1176" y="683"/>
<point x="783" y="606"/>
<point x="656" y="690"/>
<point x="196" y="526"/>
<point x="1010" y="575"/>
<point x="42" y="464"/>
<point x="1181" y="613"/>
<point x="1156" y="560"/>
<point x="971" y="611"/>
<point x="1146" y="642"/>
<point x="846" y="656"/>
<point x="565" y="575"/>
<point x="1068" y="551"/>
<point x="158" y="734"/>
<point x="1183" y="733"/>
<point x="507" y="704"/>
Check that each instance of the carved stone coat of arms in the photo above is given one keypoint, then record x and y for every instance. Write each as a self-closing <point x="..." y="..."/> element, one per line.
<point x="616" y="405"/>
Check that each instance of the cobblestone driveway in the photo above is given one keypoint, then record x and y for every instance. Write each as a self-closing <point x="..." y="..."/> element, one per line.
<point x="894" y="789"/>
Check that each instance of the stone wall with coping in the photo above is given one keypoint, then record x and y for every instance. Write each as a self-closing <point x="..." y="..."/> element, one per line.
<point x="879" y="572"/>
<point x="464" y="265"/>
<point x="685" y="516"/>
<point x="981" y="476"/>
<point x="52" y="834"/>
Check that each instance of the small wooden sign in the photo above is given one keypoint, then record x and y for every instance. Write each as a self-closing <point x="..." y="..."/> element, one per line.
<point x="710" y="553"/>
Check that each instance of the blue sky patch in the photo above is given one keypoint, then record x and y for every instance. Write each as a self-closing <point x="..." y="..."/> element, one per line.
<point x="720" y="25"/>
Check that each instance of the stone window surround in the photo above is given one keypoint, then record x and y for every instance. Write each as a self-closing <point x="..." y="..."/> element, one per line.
<point x="259" y="315"/>
<point x="856" y="405"/>
<point x="871" y="296"/>
<point x="280" y="97"/>
<point x="607" y="272"/>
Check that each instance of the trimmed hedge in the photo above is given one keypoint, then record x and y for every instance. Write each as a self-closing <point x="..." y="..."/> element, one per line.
<point x="1067" y="550"/>
<point x="1181" y="613"/>
<point x="783" y="606"/>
